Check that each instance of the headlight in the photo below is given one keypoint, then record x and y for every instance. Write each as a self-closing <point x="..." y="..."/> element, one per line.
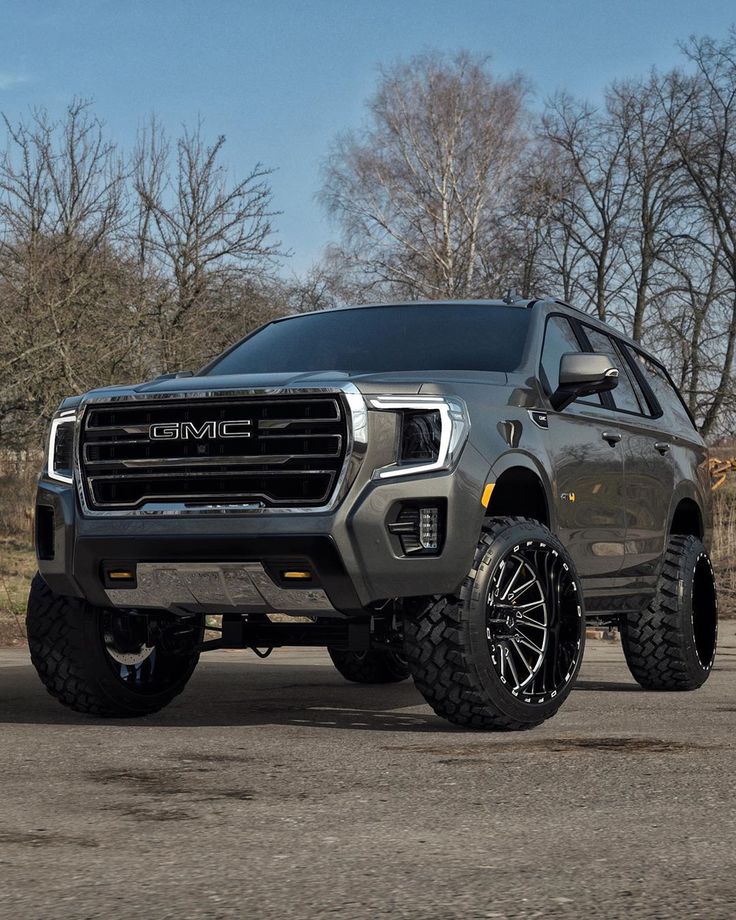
<point x="61" y="446"/>
<point x="433" y="432"/>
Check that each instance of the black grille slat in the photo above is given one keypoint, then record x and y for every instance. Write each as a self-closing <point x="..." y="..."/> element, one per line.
<point x="293" y="456"/>
<point x="136" y="452"/>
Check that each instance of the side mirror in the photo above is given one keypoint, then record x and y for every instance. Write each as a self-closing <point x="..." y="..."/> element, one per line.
<point x="581" y="374"/>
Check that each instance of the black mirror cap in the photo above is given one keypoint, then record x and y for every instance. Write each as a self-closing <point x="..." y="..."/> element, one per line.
<point x="582" y="374"/>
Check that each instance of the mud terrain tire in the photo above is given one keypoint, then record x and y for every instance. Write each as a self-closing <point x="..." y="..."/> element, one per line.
<point x="672" y="643"/>
<point x="454" y="656"/>
<point x="69" y="653"/>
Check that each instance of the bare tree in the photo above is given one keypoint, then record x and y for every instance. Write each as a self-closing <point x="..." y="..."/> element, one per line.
<point x="419" y="192"/>
<point x="592" y="197"/>
<point x="203" y="243"/>
<point x="701" y="109"/>
<point x="113" y="270"/>
<point x="62" y="287"/>
<point x="658" y="193"/>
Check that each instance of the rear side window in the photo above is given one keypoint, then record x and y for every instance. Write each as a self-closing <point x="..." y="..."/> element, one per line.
<point x="626" y="396"/>
<point x="665" y="391"/>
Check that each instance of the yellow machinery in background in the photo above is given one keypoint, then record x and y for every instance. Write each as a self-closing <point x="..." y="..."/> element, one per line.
<point x="719" y="470"/>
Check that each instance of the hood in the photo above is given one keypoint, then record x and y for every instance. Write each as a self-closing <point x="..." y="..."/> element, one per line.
<point x="318" y="379"/>
<point x="369" y="383"/>
<point x="398" y="382"/>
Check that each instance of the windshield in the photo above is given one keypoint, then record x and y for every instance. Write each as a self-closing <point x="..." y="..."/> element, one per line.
<point x="417" y="337"/>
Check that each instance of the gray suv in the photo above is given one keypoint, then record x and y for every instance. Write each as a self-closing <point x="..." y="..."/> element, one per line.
<point x="446" y="491"/>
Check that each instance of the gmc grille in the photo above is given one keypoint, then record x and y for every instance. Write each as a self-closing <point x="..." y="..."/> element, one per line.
<point x="285" y="451"/>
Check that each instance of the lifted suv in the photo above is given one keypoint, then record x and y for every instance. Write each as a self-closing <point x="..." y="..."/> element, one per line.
<point x="437" y="490"/>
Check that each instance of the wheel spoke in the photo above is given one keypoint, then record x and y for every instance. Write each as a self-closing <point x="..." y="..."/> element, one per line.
<point x="512" y="667"/>
<point x="530" y="605"/>
<point x="525" y="587"/>
<point x="525" y="640"/>
<point x="528" y="621"/>
<point x="512" y="581"/>
<point x="522" y="657"/>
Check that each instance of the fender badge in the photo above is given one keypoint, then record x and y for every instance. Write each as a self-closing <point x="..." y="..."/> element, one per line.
<point x="568" y="496"/>
<point x="539" y="418"/>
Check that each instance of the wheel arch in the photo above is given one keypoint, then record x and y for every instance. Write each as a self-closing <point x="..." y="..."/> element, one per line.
<point x="520" y="488"/>
<point x="686" y="514"/>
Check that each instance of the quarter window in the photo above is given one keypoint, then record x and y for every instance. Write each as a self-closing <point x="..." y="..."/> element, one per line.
<point x="665" y="391"/>
<point x="624" y="395"/>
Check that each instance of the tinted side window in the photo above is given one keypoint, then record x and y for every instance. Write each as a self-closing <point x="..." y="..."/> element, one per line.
<point x="624" y="396"/>
<point x="663" y="388"/>
<point x="559" y="339"/>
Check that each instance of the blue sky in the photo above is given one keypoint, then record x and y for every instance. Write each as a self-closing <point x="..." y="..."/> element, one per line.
<point x="280" y="77"/>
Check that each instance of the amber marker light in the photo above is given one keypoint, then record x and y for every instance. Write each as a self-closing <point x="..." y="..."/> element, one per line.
<point x="121" y="575"/>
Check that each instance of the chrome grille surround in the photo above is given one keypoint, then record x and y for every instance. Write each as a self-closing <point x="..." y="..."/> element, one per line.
<point x="353" y="411"/>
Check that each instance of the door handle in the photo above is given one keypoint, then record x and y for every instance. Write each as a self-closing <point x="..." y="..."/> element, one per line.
<point x="662" y="447"/>
<point x="613" y="437"/>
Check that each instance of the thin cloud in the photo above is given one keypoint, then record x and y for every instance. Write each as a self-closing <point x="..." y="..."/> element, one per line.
<point x="8" y="79"/>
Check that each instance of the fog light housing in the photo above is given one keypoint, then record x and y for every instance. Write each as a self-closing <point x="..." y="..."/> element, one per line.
<point x="429" y="527"/>
<point x="419" y="528"/>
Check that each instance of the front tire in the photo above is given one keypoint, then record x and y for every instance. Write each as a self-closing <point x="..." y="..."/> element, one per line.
<point x="504" y="653"/>
<point x="672" y="644"/>
<point x="97" y="660"/>
<point x="375" y="666"/>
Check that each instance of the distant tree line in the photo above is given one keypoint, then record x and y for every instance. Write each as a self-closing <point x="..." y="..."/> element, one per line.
<point x="116" y="267"/>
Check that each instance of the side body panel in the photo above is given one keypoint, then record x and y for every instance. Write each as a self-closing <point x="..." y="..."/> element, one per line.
<point x="588" y="486"/>
<point x="649" y="476"/>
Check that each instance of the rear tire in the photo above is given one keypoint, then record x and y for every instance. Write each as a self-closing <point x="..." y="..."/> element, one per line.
<point x="671" y="645"/>
<point x="82" y="664"/>
<point x="466" y="652"/>
<point x="372" y="667"/>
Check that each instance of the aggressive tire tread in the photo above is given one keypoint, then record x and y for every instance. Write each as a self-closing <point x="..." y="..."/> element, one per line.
<point x="655" y="642"/>
<point x="440" y="658"/>
<point x="62" y="657"/>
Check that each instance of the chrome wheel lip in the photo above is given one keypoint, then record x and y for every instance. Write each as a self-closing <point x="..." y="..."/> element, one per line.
<point x="503" y="601"/>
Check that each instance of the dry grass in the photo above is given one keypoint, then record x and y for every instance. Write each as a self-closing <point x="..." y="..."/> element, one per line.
<point x="17" y="562"/>
<point x="723" y="551"/>
<point x="18" y="473"/>
<point x="17" y="566"/>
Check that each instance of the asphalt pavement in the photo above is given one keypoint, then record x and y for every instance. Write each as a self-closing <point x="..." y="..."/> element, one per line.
<point x="273" y="789"/>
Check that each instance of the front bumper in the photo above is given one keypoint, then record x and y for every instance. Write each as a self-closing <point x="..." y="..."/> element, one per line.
<point x="350" y="552"/>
